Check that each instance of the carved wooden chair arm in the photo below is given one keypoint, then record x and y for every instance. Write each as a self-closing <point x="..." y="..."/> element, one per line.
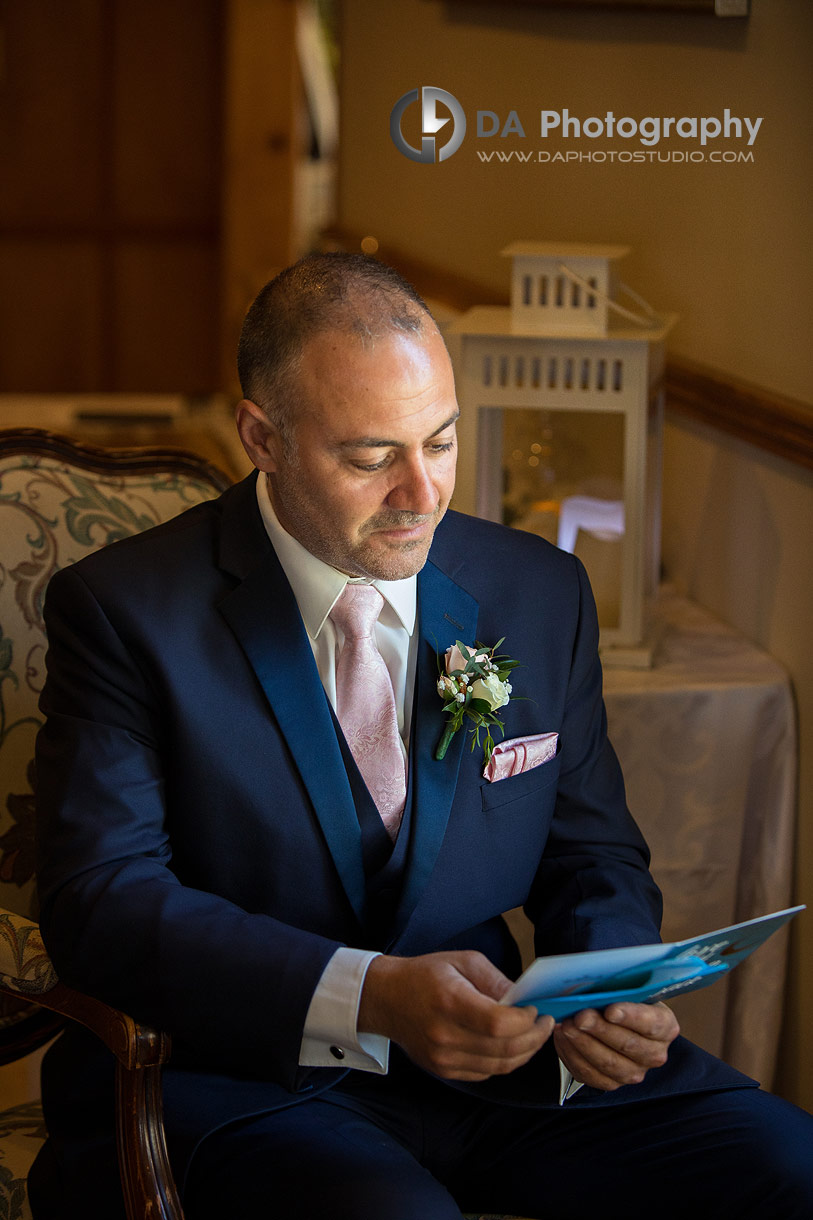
<point x="27" y="972"/>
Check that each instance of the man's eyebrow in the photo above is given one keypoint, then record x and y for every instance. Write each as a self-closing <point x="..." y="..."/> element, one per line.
<point x="378" y="442"/>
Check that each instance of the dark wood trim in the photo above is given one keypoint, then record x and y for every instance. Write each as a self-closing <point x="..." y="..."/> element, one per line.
<point x="135" y="1046"/>
<point x="769" y="420"/>
<point x="148" y="1186"/>
<point x="148" y="460"/>
<point x="761" y="417"/>
<point x="147" y="1182"/>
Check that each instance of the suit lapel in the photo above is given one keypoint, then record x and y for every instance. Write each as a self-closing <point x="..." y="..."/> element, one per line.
<point x="446" y="613"/>
<point x="262" y="612"/>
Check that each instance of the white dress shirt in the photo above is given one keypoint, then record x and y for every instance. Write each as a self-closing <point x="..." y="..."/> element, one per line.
<point x="330" y="1037"/>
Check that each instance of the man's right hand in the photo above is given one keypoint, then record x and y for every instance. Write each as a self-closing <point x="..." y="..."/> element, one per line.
<point x="443" y="1009"/>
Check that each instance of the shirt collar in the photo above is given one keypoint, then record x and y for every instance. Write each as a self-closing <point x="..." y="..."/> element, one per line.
<point x="316" y="585"/>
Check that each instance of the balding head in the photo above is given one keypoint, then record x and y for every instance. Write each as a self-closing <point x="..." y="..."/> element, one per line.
<point x="347" y="293"/>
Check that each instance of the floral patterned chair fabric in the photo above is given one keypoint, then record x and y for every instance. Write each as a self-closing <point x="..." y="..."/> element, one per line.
<point x="21" y="1133"/>
<point x="55" y="507"/>
<point x="25" y="970"/>
<point x="59" y="501"/>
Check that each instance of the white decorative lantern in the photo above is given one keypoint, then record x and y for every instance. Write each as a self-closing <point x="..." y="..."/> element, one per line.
<point x="562" y="421"/>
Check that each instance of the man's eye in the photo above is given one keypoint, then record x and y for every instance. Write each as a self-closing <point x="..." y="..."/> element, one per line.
<point x="437" y="447"/>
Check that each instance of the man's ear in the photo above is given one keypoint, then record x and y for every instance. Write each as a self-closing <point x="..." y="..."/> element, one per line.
<point x="261" y="440"/>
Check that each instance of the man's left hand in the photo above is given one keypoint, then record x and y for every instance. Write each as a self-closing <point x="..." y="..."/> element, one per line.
<point x="617" y="1047"/>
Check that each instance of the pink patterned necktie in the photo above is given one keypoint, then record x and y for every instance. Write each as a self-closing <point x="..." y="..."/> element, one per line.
<point x="365" y="703"/>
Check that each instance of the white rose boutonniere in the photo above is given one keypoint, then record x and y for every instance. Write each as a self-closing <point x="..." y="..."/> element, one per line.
<point x="493" y="690"/>
<point x="473" y="683"/>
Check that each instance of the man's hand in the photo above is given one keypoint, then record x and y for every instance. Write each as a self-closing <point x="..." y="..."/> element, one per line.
<point x="443" y="1010"/>
<point x="618" y="1047"/>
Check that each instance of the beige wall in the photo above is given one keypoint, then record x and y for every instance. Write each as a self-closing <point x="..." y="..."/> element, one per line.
<point x="727" y="246"/>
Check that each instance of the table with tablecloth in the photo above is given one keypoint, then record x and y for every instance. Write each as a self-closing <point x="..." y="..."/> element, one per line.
<point x="707" y="742"/>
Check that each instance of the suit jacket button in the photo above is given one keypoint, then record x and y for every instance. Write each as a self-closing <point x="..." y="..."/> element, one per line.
<point x="337" y="1052"/>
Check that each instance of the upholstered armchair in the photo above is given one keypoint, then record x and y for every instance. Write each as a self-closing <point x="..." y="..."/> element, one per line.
<point x="60" y="500"/>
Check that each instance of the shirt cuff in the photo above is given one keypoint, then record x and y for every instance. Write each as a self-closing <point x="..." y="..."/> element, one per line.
<point x="568" y="1084"/>
<point x="330" y="1037"/>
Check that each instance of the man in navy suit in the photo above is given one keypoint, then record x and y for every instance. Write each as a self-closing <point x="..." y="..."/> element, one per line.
<point x="213" y="862"/>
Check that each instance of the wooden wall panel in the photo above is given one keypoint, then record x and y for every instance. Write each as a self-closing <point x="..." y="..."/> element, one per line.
<point x="168" y="100"/>
<point x="50" y="315"/>
<point x="148" y="153"/>
<point x="167" y="311"/>
<point x="50" y="107"/>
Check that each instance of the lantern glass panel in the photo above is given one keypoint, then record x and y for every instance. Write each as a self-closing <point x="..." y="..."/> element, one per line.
<point x="560" y="474"/>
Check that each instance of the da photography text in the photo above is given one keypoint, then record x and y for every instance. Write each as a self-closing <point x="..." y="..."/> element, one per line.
<point x="429" y="125"/>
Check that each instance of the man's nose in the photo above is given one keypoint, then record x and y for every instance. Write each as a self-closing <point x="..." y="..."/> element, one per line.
<point x="415" y="490"/>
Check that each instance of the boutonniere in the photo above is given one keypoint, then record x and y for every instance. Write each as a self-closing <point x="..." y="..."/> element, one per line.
<point x="473" y="683"/>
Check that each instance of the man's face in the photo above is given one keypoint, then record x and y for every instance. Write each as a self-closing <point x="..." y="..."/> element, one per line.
<point x="373" y="466"/>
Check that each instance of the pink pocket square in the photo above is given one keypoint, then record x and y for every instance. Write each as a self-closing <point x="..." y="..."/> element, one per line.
<point x="520" y="754"/>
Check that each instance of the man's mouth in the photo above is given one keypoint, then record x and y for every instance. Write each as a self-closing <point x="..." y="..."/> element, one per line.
<point x="410" y="534"/>
<point x="406" y="528"/>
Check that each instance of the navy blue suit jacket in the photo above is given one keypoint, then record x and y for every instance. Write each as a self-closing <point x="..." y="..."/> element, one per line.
<point x="200" y="848"/>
